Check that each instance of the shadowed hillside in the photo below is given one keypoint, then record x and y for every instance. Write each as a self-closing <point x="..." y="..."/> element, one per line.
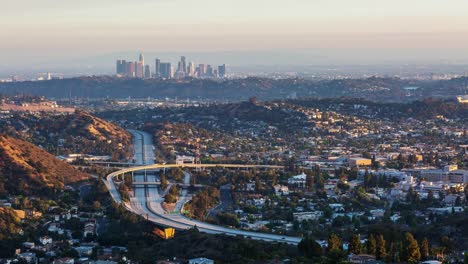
<point x="27" y="169"/>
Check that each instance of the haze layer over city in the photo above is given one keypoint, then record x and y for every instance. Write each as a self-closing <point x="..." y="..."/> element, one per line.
<point x="222" y="131"/>
<point x="82" y="37"/>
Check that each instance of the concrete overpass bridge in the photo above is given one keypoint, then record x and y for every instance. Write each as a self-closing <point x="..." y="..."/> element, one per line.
<point x="151" y="208"/>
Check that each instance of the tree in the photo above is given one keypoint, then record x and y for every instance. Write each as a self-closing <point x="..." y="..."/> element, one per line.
<point x="310" y="248"/>
<point x="371" y="245"/>
<point x="334" y="243"/>
<point x="392" y="255"/>
<point x="430" y="197"/>
<point x="380" y="251"/>
<point x="163" y="181"/>
<point x="411" y="252"/>
<point x="355" y="244"/>
<point x="172" y="195"/>
<point x="424" y="249"/>
<point x="96" y="205"/>
<point x="310" y="181"/>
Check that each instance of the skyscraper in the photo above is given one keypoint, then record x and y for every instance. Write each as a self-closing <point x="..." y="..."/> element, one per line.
<point x="201" y="70"/>
<point x="171" y="72"/>
<point x="166" y="69"/>
<point x="130" y="69"/>
<point x="139" y="69"/>
<point x="141" y="59"/>
<point x="191" y="69"/>
<point x="147" y="71"/>
<point x="209" y="71"/>
<point x="184" y="64"/>
<point x="180" y="68"/>
<point x="157" y="68"/>
<point x="222" y="71"/>
<point x="120" y="67"/>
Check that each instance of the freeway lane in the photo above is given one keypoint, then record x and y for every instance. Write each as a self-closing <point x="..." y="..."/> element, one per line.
<point x="147" y="201"/>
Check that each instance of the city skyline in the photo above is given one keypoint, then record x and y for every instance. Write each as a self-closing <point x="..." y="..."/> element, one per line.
<point x="138" y="69"/>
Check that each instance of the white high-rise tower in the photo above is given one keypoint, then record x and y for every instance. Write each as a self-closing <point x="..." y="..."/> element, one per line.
<point x="141" y="59"/>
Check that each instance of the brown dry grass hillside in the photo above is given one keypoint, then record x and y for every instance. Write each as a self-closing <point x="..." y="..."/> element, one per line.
<point x="79" y="132"/>
<point x="27" y="169"/>
<point x="97" y="128"/>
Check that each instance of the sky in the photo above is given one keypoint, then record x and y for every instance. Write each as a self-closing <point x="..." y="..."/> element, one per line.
<point x="34" y="32"/>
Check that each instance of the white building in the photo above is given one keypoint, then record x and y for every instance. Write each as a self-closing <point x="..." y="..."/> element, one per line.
<point x="298" y="181"/>
<point x="307" y="216"/>
<point x="45" y="240"/>
<point x="180" y="160"/>
<point x="281" y="190"/>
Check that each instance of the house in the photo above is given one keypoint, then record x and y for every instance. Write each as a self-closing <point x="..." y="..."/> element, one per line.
<point x="281" y="190"/>
<point x="307" y="216"/>
<point x="64" y="261"/>
<point x="29" y="245"/>
<point x="361" y="258"/>
<point x="356" y="162"/>
<point x="331" y="184"/>
<point x="337" y="207"/>
<point x="54" y="228"/>
<point x="181" y="160"/>
<point x="201" y="261"/>
<point x="89" y="229"/>
<point x="395" y="217"/>
<point x="45" y="240"/>
<point x="298" y="181"/>
<point x="377" y="213"/>
<point x="84" y="251"/>
<point x="29" y="257"/>
<point x="446" y="210"/>
<point x="250" y="187"/>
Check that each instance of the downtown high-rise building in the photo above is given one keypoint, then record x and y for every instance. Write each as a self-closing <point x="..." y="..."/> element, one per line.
<point x="191" y="69"/>
<point x="202" y="70"/>
<point x="147" y="71"/>
<point x="209" y="71"/>
<point x="166" y="70"/>
<point x="222" y="71"/>
<point x="130" y="69"/>
<point x="157" y="68"/>
<point x="139" y="69"/>
<point x="120" y="67"/>
<point x="183" y="65"/>
<point x="141" y="59"/>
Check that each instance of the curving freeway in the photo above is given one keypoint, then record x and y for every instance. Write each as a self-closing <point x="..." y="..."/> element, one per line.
<point x="147" y="201"/>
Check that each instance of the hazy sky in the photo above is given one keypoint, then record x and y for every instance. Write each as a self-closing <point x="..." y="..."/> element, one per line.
<point x="33" y="30"/>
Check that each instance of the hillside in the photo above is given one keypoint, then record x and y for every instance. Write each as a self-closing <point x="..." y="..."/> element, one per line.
<point x="95" y="128"/>
<point x="79" y="132"/>
<point x="27" y="169"/>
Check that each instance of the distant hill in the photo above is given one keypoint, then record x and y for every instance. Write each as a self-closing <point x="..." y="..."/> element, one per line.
<point x="421" y="109"/>
<point x="94" y="128"/>
<point x="377" y="89"/>
<point x="27" y="169"/>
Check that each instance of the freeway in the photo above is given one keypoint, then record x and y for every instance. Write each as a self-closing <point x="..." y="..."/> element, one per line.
<point x="147" y="201"/>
